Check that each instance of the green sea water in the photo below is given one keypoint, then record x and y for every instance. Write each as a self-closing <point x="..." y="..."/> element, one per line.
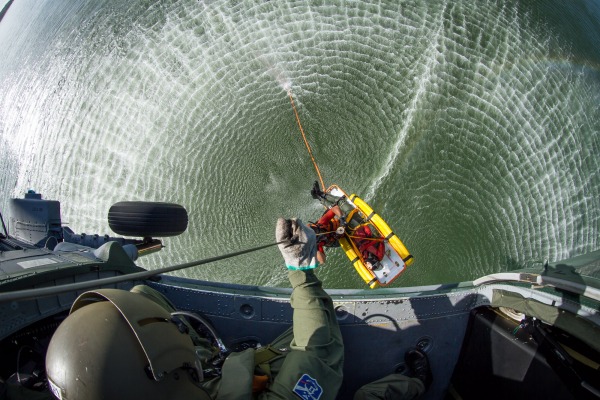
<point x="473" y="128"/>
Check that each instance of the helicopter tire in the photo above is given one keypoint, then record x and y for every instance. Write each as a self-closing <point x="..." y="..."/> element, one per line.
<point x="147" y="219"/>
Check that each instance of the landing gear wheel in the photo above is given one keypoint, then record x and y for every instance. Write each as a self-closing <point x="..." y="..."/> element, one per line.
<point x="147" y="219"/>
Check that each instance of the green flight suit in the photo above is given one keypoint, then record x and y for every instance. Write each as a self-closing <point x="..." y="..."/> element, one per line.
<point x="391" y="387"/>
<point x="313" y="345"/>
<point x="312" y="352"/>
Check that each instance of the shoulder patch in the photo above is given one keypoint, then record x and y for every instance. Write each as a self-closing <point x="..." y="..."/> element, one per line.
<point x="307" y="388"/>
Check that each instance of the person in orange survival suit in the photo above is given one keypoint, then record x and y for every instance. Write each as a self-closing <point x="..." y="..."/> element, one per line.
<point x="371" y="248"/>
<point x="328" y="232"/>
<point x="332" y="224"/>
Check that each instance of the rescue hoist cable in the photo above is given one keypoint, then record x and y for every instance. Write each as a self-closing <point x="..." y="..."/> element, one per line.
<point x="289" y="92"/>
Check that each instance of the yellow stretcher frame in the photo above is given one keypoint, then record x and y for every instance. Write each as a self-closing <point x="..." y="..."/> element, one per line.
<point x="369" y="217"/>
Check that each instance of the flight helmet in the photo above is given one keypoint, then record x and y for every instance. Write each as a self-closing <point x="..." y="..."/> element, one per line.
<point x="121" y="345"/>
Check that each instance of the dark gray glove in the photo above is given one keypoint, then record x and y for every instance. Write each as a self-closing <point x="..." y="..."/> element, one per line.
<point x="299" y="249"/>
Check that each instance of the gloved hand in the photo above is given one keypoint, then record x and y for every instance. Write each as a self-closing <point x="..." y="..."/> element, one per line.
<point x="299" y="249"/>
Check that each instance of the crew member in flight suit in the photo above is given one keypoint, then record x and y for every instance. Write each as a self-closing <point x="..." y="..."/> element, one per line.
<point x="121" y="344"/>
<point x="118" y="344"/>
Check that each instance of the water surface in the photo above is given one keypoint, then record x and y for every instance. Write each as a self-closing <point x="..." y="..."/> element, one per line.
<point x="472" y="128"/>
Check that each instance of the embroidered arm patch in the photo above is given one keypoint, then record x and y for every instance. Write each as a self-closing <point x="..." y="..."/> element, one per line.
<point x="307" y="388"/>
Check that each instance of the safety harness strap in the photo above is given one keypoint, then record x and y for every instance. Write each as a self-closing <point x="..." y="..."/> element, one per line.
<point x="263" y="356"/>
